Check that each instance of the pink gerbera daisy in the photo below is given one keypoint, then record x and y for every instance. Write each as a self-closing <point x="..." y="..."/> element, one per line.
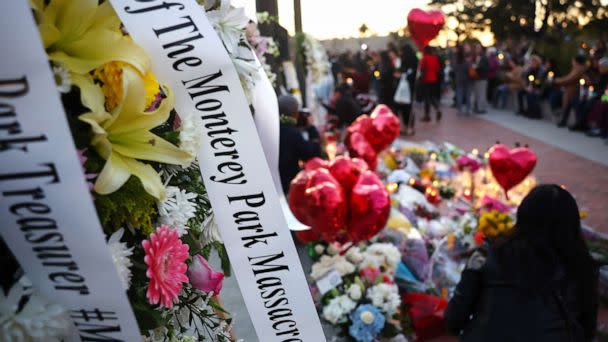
<point x="165" y="257"/>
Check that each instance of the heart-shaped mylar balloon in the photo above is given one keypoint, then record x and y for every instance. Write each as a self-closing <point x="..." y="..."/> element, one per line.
<point x="511" y="166"/>
<point x="317" y="200"/>
<point x="369" y="207"/>
<point x="424" y="26"/>
<point x="359" y="147"/>
<point x="384" y="128"/>
<point x="369" y="135"/>
<point x="341" y="201"/>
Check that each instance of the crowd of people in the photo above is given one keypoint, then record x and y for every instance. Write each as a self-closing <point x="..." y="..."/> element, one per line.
<point x="503" y="76"/>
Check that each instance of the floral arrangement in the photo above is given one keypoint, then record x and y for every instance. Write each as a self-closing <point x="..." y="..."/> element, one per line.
<point x="366" y="305"/>
<point x="263" y="46"/>
<point x="313" y="54"/>
<point x="494" y="223"/>
<point x="138" y="155"/>
<point x="231" y="23"/>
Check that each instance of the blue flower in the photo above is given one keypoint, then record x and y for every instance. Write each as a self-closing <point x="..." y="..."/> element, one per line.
<point x="368" y="321"/>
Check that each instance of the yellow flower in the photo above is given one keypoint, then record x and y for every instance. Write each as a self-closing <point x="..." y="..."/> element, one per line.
<point x="123" y="136"/>
<point x="83" y="35"/>
<point x="110" y="75"/>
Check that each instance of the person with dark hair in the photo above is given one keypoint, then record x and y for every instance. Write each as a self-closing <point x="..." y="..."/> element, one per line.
<point x="538" y="284"/>
<point x="346" y="107"/>
<point x="387" y="79"/>
<point x="409" y="67"/>
<point x="571" y="85"/>
<point x="430" y="67"/>
<point x="293" y="148"/>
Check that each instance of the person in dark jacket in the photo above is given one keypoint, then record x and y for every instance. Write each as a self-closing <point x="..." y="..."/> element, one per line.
<point x="539" y="284"/>
<point x="293" y="148"/>
<point x="409" y="67"/>
<point x="387" y="79"/>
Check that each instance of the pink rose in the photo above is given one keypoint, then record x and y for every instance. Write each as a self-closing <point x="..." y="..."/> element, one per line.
<point x="203" y="277"/>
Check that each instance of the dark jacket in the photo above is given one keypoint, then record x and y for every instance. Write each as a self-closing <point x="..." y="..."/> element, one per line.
<point x="488" y="306"/>
<point x="293" y="149"/>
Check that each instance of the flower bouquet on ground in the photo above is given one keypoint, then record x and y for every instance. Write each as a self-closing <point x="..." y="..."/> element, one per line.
<point x="355" y="289"/>
<point x="138" y="155"/>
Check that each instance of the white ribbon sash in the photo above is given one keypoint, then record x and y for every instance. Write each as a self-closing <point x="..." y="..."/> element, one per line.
<point x="48" y="218"/>
<point x="188" y="55"/>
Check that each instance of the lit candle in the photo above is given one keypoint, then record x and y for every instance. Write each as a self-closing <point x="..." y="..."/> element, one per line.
<point x="377" y="74"/>
<point x="531" y="78"/>
<point x="550" y="75"/>
<point x="412" y="182"/>
<point x="349" y="81"/>
<point x="392" y="187"/>
<point x="475" y="152"/>
<point x="501" y="56"/>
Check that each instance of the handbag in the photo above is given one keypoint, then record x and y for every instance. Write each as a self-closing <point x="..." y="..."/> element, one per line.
<point x="403" y="94"/>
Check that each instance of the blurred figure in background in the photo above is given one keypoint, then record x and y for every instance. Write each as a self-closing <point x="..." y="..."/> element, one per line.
<point x="409" y="67"/>
<point x="293" y="148"/>
<point x="493" y="68"/>
<point x="462" y="82"/>
<point x="481" y="83"/>
<point x="430" y="67"/>
<point x="571" y="84"/>
<point x="387" y="79"/>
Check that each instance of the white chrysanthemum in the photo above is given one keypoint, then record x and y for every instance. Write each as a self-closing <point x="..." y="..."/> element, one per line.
<point x="385" y="296"/>
<point x="38" y="320"/>
<point x="327" y="263"/>
<point x="319" y="249"/>
<point x="177" y="208"/>
<point x="62" y="78"/>
<point x="211" y="231"/>
<point x="333" y="248"/>
<point x="121" y="255"/>
<point x="229" y="23"/>
<point x="190" y="132"/>
<point x="354" y="292"/>
<point x="354" y="255"/>
<point x="337" y="310"/>
<point x="381" y="254"/>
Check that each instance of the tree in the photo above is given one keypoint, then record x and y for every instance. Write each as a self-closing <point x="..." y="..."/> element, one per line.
<point x="535" y="19"/>
<point x="363" y="30"/>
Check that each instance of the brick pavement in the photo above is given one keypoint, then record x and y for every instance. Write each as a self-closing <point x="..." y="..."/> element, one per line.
<point x="587" y="180"/>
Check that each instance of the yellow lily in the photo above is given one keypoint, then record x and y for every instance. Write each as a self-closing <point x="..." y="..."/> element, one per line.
<point x="83" y="35"/>
<point x="123" y="136"/>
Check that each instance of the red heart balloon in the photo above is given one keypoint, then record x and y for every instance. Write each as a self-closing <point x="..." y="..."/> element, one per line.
<point x="316" y="163"/>
<point x="358" y="146"/>
<point x="369" y="208"/>
<point x="511" y="167"/>
<point x="347" y="171"/>
<point x="384" y="129"/>
<point x="317" y="200"/>
<point x="424" y="26"/>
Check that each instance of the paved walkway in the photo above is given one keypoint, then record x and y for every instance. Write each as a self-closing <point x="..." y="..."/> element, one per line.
<point x="571" y="159"/>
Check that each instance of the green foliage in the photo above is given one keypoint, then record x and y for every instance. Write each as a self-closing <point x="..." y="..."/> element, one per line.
<point x="130" y="204"/>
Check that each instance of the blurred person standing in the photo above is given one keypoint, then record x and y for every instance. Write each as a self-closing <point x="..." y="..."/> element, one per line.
<point x="493" y="68"/>
<point x="293" y="147"/>
<point x="462" y="82"/>
<point x="481" y="82"/>
<point x="571" y="84"/>
<point x="409" y="67"/>
<point x="430" y="67"/>
<point x="387" y="79"/>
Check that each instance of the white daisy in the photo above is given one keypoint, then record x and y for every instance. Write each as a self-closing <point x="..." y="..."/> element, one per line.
<point x="385" y="296"/>
<point x="121" y="254"/>
<point x="62" y="78"/>
<point x="177" y="208"/>
<point x="190" y="132"/>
